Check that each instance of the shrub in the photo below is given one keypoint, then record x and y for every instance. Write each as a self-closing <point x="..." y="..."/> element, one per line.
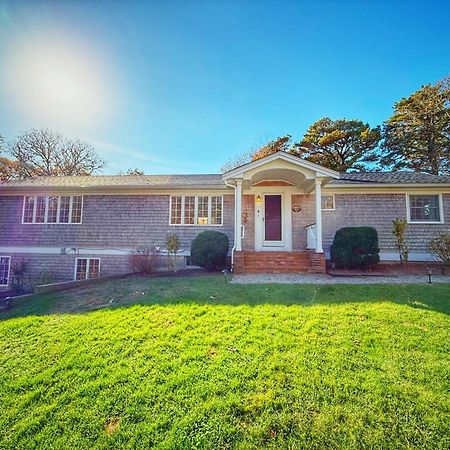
<point x="145" y="259"/>
<point x="440" y="247"/>
<point x="19" y="272"/>
<point x="398" y="230"/>
<point x="355" y="247"/>
<point x="209" y="250"/>
<point x="172" y="245"/>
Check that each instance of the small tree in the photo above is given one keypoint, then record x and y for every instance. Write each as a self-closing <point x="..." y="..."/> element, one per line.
<point x="440" y="247"/>
<point x="173" y="246"/>
<point x="145" y="259"/>
<point x="398" y="230"/>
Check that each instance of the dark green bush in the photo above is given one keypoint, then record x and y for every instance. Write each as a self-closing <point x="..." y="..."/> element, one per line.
<point x="355" y="247"/>
<point x="209" y="250"/>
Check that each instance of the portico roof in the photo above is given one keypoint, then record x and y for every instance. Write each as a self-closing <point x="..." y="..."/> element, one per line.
<point x="284" y="167"/>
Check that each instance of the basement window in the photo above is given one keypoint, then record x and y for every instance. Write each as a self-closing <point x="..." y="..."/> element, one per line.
<point x="87" y="268"/>
<point x="5" y="264"/>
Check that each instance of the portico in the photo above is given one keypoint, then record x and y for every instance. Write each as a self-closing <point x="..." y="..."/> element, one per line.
<point x="273" y="195"/>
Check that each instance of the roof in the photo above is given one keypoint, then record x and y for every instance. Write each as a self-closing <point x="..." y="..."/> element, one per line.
<point x="126" y="181"/>
<point x="401" y="177"/>
<point x="207" y="181"/>
<point x="284" y="156"/>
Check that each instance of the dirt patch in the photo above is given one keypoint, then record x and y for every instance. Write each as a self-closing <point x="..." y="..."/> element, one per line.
<point x="112" y="425"/>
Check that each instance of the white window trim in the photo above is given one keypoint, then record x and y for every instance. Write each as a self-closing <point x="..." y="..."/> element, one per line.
<point x="334" y="202"/>
<point x="57" y="211"/>
<point x="88" y="264"/>
<point x="424" y="222"/>
<point x="195" y="224"/>
<point x="9" y="270"/>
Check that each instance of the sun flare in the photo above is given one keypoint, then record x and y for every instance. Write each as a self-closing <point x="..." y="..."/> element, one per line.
<point x="58" y="83"/>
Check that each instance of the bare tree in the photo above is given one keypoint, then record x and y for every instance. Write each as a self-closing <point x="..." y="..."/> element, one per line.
<point x="45" y="152"/>
<point x="131" y="172"/>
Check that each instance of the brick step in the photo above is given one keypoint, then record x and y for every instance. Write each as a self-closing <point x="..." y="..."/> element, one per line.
<point x="277" y="262"/>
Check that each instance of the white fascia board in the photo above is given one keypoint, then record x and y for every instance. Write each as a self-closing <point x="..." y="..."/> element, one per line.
<point x="320" y="171"/>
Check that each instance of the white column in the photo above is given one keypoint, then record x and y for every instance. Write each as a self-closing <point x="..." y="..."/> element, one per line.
<point x="238" y="211"/>
<point x="319" y="248"/>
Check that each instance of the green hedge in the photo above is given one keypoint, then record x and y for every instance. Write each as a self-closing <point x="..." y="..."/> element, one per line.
<point x="355" y="247"/>
<point x="209" y="250"/>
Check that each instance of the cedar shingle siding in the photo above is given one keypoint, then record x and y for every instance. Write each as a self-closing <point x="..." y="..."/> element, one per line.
<point x="111" y="221"/>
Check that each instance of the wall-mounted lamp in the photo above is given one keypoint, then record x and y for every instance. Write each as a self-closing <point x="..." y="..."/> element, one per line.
<point x="258" y="199"/>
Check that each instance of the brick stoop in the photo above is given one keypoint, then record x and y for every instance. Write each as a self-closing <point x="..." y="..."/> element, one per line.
<point x="317" y="263"/>
<point x="278" y="262"/>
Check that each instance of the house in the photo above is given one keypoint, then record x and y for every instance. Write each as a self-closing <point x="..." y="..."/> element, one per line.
<point x="280" y="214"/>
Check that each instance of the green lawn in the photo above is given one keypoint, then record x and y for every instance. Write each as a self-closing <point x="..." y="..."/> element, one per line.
<point x="195" y="363"/>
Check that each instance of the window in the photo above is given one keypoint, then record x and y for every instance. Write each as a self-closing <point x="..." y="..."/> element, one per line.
<point x="202" y="210"/>
<point x="424" y="208"/>
<point x="28" y="209"/>
<point x="196" y="210"/>
<point x="216" y="210"/>
<point x="175" y="210"/>
<point x="64" y="209"/>
<point x="5" y="263"/>
<point x="52" y="213"/>
<point x="53" y="209"/>
<point x="328" y="202"/>
<point x="87" y="268"/>
<point x="189" y="210"/>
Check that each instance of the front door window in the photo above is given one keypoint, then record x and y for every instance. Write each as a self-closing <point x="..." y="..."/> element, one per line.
<point x="272" y="218"/>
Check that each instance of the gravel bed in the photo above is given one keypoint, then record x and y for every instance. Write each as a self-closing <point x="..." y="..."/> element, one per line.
<point x="302" y="278"/>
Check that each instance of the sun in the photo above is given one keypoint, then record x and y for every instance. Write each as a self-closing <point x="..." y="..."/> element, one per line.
<point x="58" y="83"/>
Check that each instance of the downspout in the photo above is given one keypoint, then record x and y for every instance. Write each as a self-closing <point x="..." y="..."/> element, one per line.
<point x="235" y="232"/>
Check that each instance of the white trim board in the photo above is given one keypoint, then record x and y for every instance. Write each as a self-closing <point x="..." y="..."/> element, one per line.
<point x="78" y="251"/>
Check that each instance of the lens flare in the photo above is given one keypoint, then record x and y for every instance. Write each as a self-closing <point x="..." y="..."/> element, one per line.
<point x="58" y="83"/>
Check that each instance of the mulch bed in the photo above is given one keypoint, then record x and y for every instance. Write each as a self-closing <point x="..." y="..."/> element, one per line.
<point x="391" y="269"/>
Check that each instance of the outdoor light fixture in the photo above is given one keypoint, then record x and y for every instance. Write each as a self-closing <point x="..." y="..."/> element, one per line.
<point x="429" y="276"/>
<point x="258" y="199"/>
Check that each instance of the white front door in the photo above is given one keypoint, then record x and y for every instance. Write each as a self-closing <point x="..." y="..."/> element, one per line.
<point x="273" y="220"/>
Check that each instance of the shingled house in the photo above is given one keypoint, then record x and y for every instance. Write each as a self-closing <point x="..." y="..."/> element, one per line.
<point x="280" y="214"/>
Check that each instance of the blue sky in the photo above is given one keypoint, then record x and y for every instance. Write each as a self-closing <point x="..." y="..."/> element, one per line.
<point x="180" y="87"/>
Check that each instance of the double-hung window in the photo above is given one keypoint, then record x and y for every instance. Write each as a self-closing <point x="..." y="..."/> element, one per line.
<point x="5" y="265"/>
<point x="424" y="208"/>
<point x="86" y="268"/>
<point x="327" y="202"/>
<point x="196" y="210"/>
<point x="52" y="209"/>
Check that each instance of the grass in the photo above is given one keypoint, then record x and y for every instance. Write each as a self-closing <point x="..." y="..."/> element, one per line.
<point x="194" y="363"/>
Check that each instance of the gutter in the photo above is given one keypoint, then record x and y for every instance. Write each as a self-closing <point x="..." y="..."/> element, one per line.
<point x="234" y="246"/>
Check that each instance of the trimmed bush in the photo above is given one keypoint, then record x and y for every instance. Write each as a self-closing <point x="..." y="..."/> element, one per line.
<point x="209" y="250"/>
<point x="355" y="247"/>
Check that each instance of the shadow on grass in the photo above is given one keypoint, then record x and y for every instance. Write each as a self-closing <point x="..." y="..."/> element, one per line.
<point x="214" y="290"/>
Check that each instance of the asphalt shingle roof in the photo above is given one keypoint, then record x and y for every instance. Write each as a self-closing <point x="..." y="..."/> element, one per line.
<point x="402" y="177"/>
<point x="150" y="181"/>
<point x="208" y="180"/>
